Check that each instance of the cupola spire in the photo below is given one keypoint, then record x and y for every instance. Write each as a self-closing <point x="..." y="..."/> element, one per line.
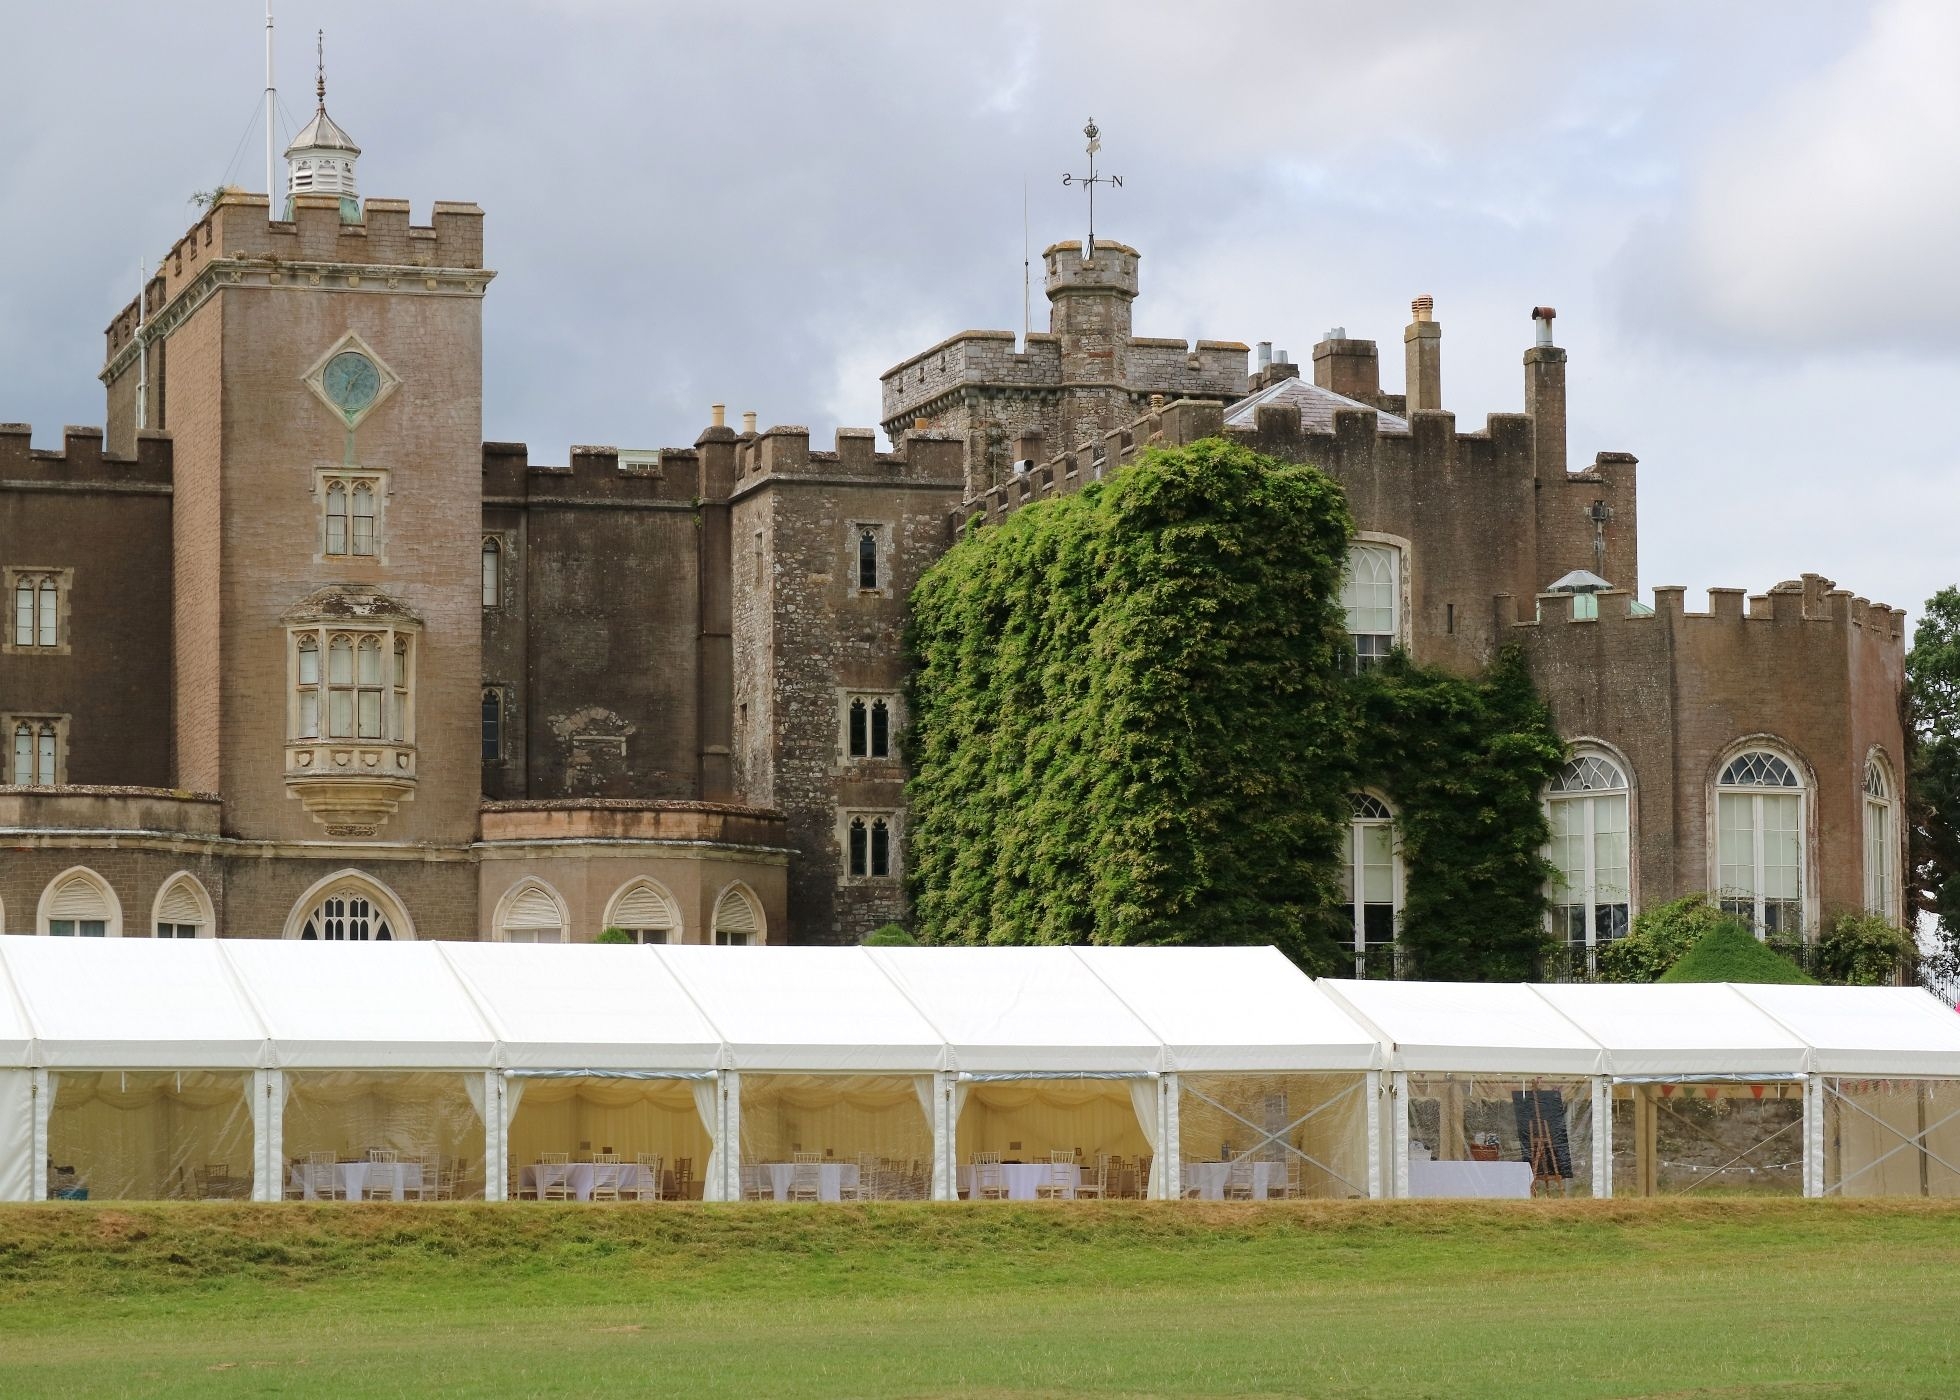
<point x="321" y="158"/>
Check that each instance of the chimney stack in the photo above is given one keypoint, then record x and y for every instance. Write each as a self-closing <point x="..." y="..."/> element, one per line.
<point x="1544" y="396"/>
<point x="1265" y="353"/>
<point x="1348" y="367"/>
<point x="748" y="424"/>
<point x="1422" y="353"/>
<point x="718" y="414"/>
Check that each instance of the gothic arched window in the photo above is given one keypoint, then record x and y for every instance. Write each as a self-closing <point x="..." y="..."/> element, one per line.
<point x="347" y="916"/>
<point x="493" y="572"/>
<point x="867" y="558"/>
<point x="1881" y="842"/>
<point x="1371" y="596"/>
<point x="1371" y="884"/>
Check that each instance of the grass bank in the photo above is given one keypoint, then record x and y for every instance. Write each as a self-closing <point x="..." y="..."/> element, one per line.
<point x="1731" y="1298"/>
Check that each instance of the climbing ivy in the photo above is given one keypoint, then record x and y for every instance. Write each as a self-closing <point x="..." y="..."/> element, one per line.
<point x="1133" y="721"/>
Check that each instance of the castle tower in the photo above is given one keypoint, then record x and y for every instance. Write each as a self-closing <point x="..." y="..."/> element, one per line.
<point x="1089" y="298"/>
<point x="322" y="157"/>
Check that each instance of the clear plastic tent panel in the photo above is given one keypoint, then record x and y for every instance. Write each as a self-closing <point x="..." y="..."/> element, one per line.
<point x="150" y="1135"/>
<point x="810" y="1137"/>
<point x="372" y="1135"/>
<point x="1892" y="1137"/>
<point x="605" y="1137"/>
<point x="1011" y="1132"/>
<point x="1500" y="1136"/>
<point x="1273" y="1136"/>
<point x="1708" y="1139"/>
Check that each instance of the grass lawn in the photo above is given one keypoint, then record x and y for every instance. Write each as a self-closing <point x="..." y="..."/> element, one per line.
<point x="1718" y="1298"/>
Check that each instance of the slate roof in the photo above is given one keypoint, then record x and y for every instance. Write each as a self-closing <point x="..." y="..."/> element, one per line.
<point x="1316" y="406"/>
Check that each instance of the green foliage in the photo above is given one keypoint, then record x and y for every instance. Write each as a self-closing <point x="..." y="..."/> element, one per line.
<point x="1933" y="734"/>
<point x="1132" y="721"/>
<point x="1862" y="950"/>
<point x="613" y="935"/>
<point x="1465" y="763"/>
<point x="890" y="936"/>
<point x="1660" y="937"/>
<point x="1731" y="953"/>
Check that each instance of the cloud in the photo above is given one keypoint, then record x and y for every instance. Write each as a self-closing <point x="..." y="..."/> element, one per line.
<point x="1827" y="216"/>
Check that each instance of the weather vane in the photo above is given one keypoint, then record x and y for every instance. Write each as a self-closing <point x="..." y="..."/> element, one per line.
<point x="1090" y="181"/>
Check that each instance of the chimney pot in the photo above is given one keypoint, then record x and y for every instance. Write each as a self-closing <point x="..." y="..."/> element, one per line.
<point x="1423" y="308"/>
<point x="1265" y="353"/>
<point x="748" y="422"/>
<point x="719" y="414"/>
<point x="1542" y="317"/>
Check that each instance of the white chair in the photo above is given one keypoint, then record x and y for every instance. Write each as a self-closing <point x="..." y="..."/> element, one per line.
<point x="320" y="1178"/>
<point x="645" y="1185"/>
<point x="1095" y="1183"/>
<point x="1062" y="1178"/>
<point x="606" y="1174"/>
<point x="554" y="1177"/>
<point x="1241" y="1179"/>
<point x="758" y="1184"/>
<point x="806" y="1177"/>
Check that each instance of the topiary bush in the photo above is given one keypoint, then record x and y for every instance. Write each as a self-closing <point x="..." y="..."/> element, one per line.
<point x="1729" y="952"/>
<point x="890" y="936"/>
<point x="613" y="935"/>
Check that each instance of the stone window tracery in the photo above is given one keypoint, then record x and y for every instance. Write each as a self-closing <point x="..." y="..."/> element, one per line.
<point x="868" y="846"/>
<point x="1371" y="884"/>
<point x="1881" y="842"/>
<point x="352" y="508"/>
<point x="363" y="696"/>
<point x="868" y="726"/>
<point x="1371" y="599"/>
<point x="37" y="750"/>
<point x="37" y="599"/>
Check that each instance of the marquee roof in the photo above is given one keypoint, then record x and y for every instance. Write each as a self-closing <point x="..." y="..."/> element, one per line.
<point x="245" y="1003"/>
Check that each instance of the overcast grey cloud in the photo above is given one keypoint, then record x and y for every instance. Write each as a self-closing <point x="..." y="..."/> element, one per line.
<point x="1744" y="212"/>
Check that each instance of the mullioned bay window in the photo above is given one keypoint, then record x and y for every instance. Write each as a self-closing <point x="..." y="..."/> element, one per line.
<point x="350" y="730"/>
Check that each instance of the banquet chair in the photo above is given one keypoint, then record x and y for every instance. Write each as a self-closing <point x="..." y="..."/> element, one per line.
<point x="646" y="1182"/>
<point x="867" y="1186"/>
<point x="1143" y="1175"/>
<point x="683" y="1179"/>
<point x="806" y="1177"/>
<point x="214" y="1182"/>
<point x="605" y="1177"/>
<point x="518" y="1190"/>
<point x="989" y="1178"/>
<point x="384" y="1174"/>
<point x="757" y="1184"/>
<point x="1240" y="1179"/>
<point x="554" y="1177"/>
<point x="383" y="1154"/>
<point x="1096" y="1182"/>
<point x="1062" y="1178"/>
<point x="322" y="1179"/>
<point x="1292" y="1188"/>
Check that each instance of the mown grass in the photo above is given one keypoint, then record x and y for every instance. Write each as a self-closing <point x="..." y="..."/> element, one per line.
<point x="1730" y="1298"/>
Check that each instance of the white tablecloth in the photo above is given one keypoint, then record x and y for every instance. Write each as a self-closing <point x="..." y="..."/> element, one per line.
<point x="1491" y="1180"/>
<point x="579" y="1178"/>
<point x="1020" y="1178"/>
<point x="1211" y="1177"/>
<point x="831" y="1178"/>
<point x="353" y="1178"/>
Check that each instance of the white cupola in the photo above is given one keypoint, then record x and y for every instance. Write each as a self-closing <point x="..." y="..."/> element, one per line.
<point x="321" y="158"/>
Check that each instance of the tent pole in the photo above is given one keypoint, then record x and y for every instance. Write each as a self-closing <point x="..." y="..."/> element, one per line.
<point x="1813" y="1135"/>
<point x="1172" y="1156"/>
<point x="731" y="1140"/>
<point x="1398" y="1119"/>
<point x="945" y="1151"/>
<point x="1602" y="1136"/>
<point x="43" y="1092"/>
<point x="1374" y="1092"/>
<point x="1645" y="1140"/>
<point x="496" y="1138"/>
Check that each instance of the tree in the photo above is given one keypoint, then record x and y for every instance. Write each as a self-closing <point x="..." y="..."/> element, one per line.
<point x="1933" y="740"/>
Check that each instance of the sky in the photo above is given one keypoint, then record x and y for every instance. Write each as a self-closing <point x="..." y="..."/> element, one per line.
<point x="1744" y="213"/>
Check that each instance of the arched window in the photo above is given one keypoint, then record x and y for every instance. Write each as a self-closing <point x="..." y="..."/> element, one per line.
<point x="493" y="724"/>
<point x="398" y="707"/>
<point x="860" y="857"/>
<point x="860" y="730"/>
<point x="881" y="847"/>
<point x="46" y="748"/>
<point x="881" y="729"/>
<point x="340" y="688"/>
<point x="1881" y="843"/>
<point x="531" y="914"/>
<point x="738" y="918"/>
<point x="1371" y="884"/>
<point x="368" y="689"/>
<point x="645" y="913"/>
<point x="1589" y="813"/>
<point x="1371" y="596"/>
<point x="306" y="688"/>
<point x="183" y="910"/>
<point x="24" y="613"/>
<point x="363" y="519"/>
<point x="867" y="558"/>
<point x="349" y="907"/>
<point x="336" y="519"/>
<point x="79" y="904"/>
<point x="37" y="608"/>
<point x="493" y="572"/>
<point x="1759" y="842"/>
<point x="49" y="633"/>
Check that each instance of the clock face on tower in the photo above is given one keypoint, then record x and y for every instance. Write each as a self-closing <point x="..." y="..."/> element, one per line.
<point x="351" y="382"/>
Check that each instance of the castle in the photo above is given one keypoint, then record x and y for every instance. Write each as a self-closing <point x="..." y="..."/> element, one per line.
<point x="290" y="650"/>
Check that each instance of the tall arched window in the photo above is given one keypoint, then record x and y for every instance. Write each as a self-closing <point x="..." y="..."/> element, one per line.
<point x="368" y="688"/>
<point x="340" y="688"/>
<point x="1371" y="884"/>
<point x="306" y="686"/>
<point x="336" y="519"/>
<point x="493" y="724"/>
<point x="24" y="613"/>
<point x="398" y="707"/>
<point x="347" y="916"/>
<point x="531" y="914"/>
<point x="1881" y="843"/>
<point x="36" y="608"/>
<point x="1589" y="813"/>
<point x="80" y="904"/>
<point x="860" y="730"/>
<point x="881" y="729"/>
<point x="362" y="519"/>
<point x="1759" y="842"/>
<point x="881" y="847"/>
<point x="860" y="847"/>
<point x="48" y="631"/>
<point x="183" y="910"/>
<point x="493" y="572"/>
<point x="1371" y="596"/>
<point x="867" y="558"/>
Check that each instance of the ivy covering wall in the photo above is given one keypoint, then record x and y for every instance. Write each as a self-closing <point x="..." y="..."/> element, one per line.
<point x="1133" y="722"/>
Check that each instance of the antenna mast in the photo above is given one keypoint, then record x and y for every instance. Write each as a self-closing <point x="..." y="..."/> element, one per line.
<point x="270" y="96"/>
<point x="1027" y="324"/>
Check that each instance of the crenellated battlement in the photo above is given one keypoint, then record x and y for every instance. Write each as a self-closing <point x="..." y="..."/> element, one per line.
<point x="82" y="460"/>
<point x="237" y="233"/>
<point x="926" y="457"/>
<point x="1813" y="601"/>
